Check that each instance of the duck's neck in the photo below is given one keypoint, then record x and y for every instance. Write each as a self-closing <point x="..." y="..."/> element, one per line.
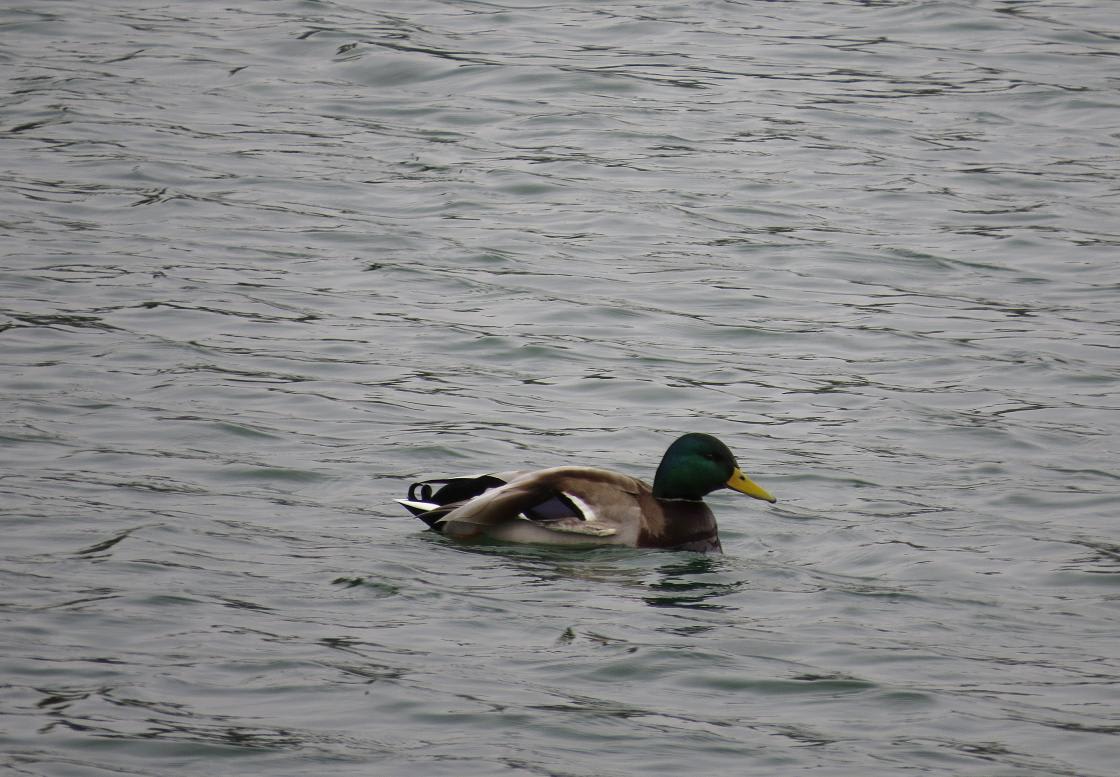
<point x="671" y="484"/>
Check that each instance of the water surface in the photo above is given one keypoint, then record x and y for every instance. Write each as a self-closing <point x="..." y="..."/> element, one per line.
<point x="264" y="265"/>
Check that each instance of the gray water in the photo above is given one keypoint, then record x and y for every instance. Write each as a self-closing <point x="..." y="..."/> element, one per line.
<point x="266" y="263"/>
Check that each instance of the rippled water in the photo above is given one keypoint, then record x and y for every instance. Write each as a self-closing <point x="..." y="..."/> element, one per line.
<point x="265" y="263"/>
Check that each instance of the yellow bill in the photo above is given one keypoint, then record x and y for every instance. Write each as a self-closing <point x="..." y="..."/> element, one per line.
<point x="744" y="485"/>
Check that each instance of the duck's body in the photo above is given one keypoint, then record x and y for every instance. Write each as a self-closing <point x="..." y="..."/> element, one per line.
<point x="589" y="505"/>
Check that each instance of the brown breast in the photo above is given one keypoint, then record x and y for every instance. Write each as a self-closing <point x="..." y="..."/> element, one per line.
<point x="679" y="524"/>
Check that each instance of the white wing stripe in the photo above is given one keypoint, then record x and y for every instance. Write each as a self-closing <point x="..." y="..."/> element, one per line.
<point x="585" y="510"/>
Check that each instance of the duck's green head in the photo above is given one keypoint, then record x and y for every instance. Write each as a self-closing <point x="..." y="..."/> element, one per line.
<point x="697" y="464"/>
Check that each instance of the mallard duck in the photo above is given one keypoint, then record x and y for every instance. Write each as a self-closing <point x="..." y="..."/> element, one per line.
<point x="589" y="505"/>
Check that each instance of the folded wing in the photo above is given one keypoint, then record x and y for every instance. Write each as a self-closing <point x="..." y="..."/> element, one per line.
<point x="572" y="501"/>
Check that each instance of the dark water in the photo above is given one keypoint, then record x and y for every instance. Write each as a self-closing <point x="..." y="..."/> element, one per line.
<point x="265" y="263"/>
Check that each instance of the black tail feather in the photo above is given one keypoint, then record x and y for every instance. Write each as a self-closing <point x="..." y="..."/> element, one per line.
<point x="446" y="494"/>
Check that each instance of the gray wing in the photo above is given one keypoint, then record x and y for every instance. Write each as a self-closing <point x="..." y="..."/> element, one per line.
<point x="586" y="502"/>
